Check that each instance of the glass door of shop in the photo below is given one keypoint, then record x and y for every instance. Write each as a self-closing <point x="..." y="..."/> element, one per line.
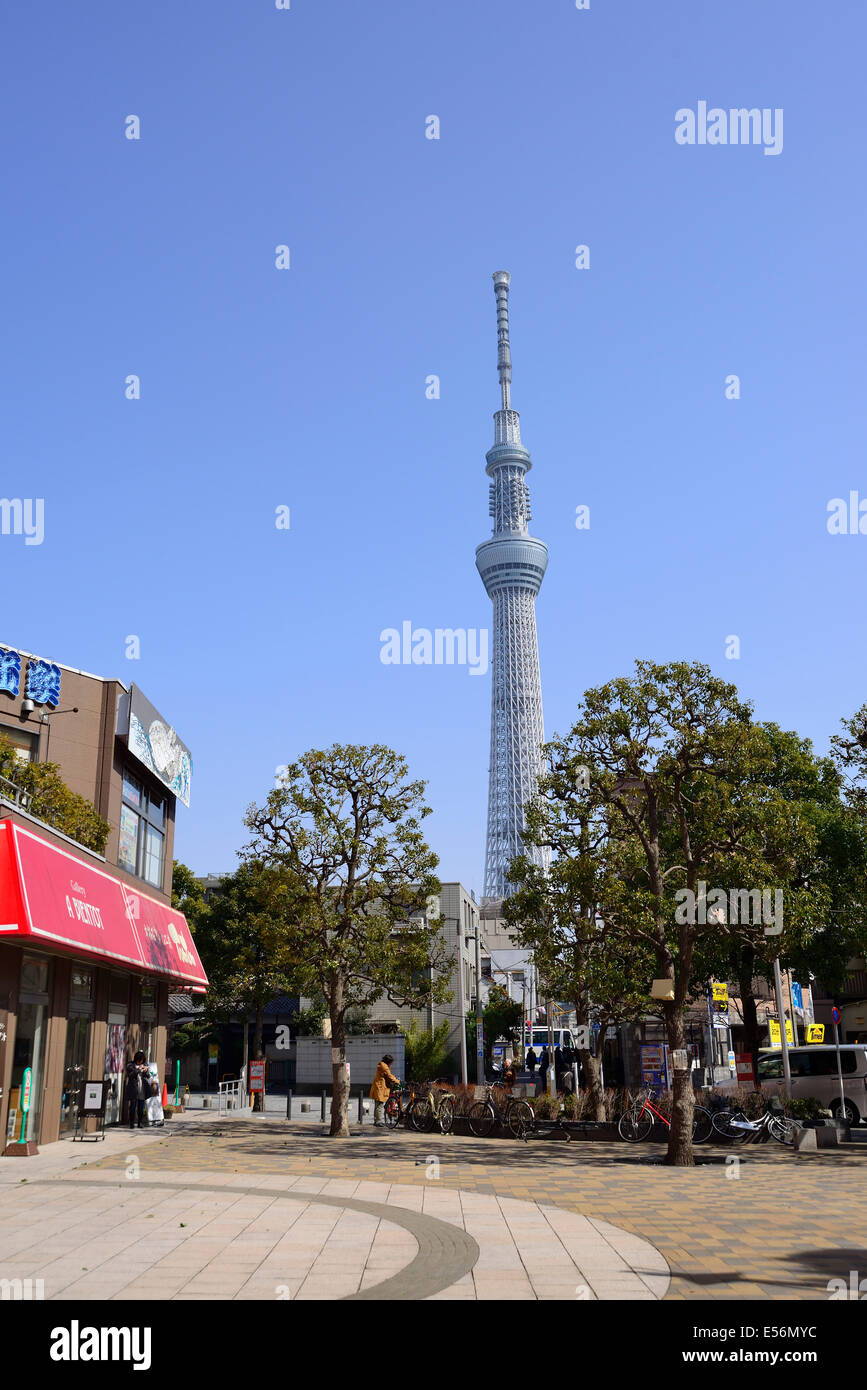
<point x="74" y="1069"/>
<point x="29" y="1049"/>
<point x="115" y="1053"/>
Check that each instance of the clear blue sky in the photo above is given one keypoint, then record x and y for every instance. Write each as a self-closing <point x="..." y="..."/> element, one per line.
<point x="307" y="387"/>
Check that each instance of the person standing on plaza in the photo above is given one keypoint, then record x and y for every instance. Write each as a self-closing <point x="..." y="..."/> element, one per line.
<point x="530" y="1060"/>
<point x="382" y="1083"/>
<point x="542" y="1078"/>
<point x="137" y="1089"/>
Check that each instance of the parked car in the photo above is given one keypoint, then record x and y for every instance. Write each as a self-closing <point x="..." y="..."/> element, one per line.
<point x="814" y="1073"/>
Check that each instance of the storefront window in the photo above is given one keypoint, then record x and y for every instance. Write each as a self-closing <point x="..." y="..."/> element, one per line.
<point x="127" y="850"/>
<point x="77" y="1046"/>
<point x="34" y="976"/>
<point x="154" y="857"/>
<point x="81" y="985"/>
<point x="29" y="1050"/>
<point x="132" y="791"/>
<point x="25" y="744"/>
<point x="118" y="990"/>
<point x="141" y="846"/>
<point x="74" y="1069"/>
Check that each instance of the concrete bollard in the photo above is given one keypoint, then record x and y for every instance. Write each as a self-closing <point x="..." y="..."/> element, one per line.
<point x="809" y="1140"/>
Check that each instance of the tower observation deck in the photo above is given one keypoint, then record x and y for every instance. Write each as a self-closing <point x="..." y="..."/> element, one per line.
<point x="512" y="566"/>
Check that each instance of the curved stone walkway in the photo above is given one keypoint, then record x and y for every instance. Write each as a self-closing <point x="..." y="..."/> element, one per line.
<point x="202" y="1235"/>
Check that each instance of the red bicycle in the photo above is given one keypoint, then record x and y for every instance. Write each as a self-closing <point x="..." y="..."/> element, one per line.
<point x="636" y="1123"/>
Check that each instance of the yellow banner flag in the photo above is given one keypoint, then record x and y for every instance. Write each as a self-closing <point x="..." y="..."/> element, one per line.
<point x="774" y="1026"/>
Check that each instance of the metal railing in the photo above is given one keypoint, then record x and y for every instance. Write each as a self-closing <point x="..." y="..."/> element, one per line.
<point x="232" y="1095"/>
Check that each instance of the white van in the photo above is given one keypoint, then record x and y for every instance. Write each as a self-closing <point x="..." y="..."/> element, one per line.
<point x="562" y="1038"/>
<point x="814" y="1073"/>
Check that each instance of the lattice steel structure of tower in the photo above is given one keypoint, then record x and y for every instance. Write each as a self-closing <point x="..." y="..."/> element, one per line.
<point x="512" y="566"/>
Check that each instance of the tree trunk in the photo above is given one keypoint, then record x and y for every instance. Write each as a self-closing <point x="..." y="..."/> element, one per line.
<point x="340" y="1085"/>
<point x="748" y="1004"/>
<point x="595" y="1093"/>
<point x="679" y="1153"/>
<point x="259" y="1052"/>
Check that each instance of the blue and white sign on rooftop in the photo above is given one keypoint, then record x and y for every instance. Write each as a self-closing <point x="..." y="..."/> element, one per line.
<point x="43" y="678"/>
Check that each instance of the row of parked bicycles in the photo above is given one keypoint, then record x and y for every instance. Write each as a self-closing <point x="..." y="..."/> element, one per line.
<point x="430" y="1108"/>
<point x="729" y="1123"/>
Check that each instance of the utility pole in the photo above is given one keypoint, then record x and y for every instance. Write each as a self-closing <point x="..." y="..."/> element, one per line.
<point x="784" y="1041"/>
<point x="480" y="1021"/>
<point x="551" y="1079"/>
<point x="461" y="1004"/>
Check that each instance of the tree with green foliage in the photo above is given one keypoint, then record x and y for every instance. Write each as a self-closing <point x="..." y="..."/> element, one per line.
<point x="188" y="895"/>
<point x="668" y="763"/>
<point x="576" y="953"/>
<point x="820" y="861"/>
<point x="426" y="1051"/>
<point x="343" y="825"/>
<point x="244" y="937"/>
<point x="50" y="800"/>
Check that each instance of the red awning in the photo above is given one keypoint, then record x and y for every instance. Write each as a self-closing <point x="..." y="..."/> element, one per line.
<point x="50" y="894"/>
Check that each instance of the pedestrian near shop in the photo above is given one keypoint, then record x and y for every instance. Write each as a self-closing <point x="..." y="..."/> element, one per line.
<point x="530" y="1060"/>
<point x="137" y="1089"/>
<point x="382" y="1083"/>
<point x="542" y="1078"/>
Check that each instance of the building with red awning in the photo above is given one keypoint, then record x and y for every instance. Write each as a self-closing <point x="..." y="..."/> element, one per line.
<point x="90" y="944"/>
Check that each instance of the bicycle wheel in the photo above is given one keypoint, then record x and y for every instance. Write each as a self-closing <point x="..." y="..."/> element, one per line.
<point x="522" y="1118"/>
<point x="782" y="1129"/>
<point x="702" y="1125"/>
<point x="420" y="1116"/>
<point x="446" y="1114"/>
<point x="392" y="1113"/>
<point x="722" y="1124"/>
<point x="481" y="1119"/>
<point x="634" y="1126"/>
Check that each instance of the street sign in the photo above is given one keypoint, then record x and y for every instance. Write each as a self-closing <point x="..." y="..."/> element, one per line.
<point x="721" y="1020"/>
<point x="731" y="1060"/>
<point x="257" y="1076"/>
<point x="720" y="994"/>
<point x="815" y="1032"/>
<point x="582" y="1036"/>
<point x="26" y="1088"/>
<point x="744" y="1067"/>
<point x="835" y="1015"/>
<point x="774" y="1026"/>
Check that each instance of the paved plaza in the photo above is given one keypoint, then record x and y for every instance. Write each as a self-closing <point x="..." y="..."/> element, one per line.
<point x="253" y="1207"/>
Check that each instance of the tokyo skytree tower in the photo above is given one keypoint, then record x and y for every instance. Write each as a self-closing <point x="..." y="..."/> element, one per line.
<point x="512" y="565"/>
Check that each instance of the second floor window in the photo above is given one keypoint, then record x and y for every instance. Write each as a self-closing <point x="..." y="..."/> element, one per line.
<point x="141" y="847"/>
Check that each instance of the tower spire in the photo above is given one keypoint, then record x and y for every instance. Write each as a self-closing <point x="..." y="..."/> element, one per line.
<point x="501" y="280"/>
<point x="512" y="566"/>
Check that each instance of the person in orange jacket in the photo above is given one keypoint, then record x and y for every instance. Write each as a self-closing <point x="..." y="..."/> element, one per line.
<point x="379" y="1090"/>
